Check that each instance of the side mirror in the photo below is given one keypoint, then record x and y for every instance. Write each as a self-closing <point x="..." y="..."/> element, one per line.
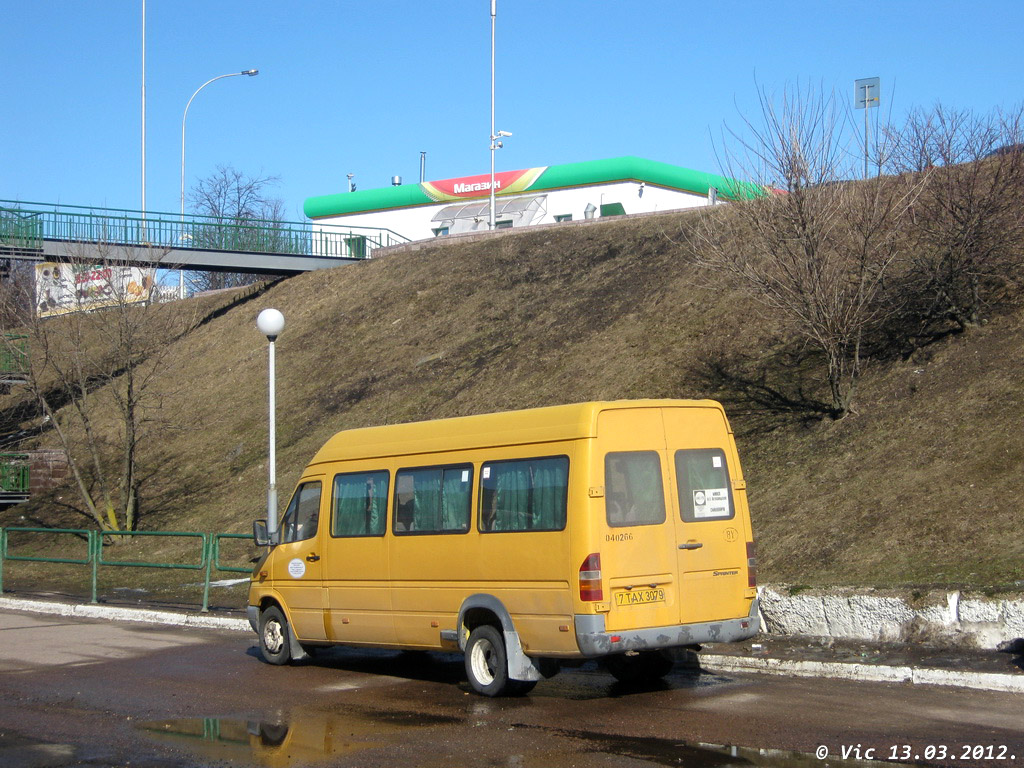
<point x="260" y="533"/>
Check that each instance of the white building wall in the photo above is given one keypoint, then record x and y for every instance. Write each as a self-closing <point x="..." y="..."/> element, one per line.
<point x="417" y="223"/>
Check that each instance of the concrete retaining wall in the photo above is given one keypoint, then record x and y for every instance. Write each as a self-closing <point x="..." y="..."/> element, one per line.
<point x="950" y="618"/>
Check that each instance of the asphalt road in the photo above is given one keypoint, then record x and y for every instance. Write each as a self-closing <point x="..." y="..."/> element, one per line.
<point x="82" y="692"/>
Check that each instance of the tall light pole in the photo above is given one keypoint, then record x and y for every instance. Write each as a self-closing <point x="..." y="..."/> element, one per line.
<point x="271" y="323"/>
<point x="250" y="73"/>
<point x="144" y="113"/>
<point x="495" y="135"/>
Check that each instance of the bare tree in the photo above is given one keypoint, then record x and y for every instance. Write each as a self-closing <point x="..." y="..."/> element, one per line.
<point x="96" y="359"/>
<point x="967" y="235"/>
<point x="249" y="219"/>
<point x="812" y="247"/>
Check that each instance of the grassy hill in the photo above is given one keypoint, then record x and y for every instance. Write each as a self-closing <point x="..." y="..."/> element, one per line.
<point x="921" y="486"/>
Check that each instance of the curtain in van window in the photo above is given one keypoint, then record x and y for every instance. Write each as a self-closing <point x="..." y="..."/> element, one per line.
<point x="525" y="495"/>
<point x="455" y="493"/>
<point x="426" y="499"/>
<point x="360" y="504"/>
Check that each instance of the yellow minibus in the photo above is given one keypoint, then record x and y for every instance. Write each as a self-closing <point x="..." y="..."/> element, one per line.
<point x="528" y="539"/>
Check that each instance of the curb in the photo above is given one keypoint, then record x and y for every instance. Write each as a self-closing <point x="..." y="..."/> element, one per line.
<point x="879" y="673"/>
<point x="112" y="613"/>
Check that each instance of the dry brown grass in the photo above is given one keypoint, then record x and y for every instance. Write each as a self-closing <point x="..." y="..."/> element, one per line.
<point x="922" y="485"/>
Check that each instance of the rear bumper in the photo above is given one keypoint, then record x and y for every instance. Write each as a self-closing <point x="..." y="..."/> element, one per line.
<point x="594" y="641"/>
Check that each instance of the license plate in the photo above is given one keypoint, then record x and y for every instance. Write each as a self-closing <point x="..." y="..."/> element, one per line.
<point x="640" y="597"/>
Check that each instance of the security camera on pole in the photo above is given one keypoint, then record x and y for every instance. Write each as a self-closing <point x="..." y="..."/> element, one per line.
<point x="271" y="323"/>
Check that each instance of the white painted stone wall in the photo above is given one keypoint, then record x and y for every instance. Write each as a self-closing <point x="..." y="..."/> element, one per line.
<point x="892" y="616"/>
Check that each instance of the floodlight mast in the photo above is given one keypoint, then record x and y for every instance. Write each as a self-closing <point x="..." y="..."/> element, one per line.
<point x="490" y="218"/>
<point x="867" y="94"/>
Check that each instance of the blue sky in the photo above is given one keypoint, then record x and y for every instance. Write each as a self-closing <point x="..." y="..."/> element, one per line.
<point x="364" y="87"/>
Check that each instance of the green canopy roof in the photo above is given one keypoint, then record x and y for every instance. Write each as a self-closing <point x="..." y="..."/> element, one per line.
<point x="587" y="173"/>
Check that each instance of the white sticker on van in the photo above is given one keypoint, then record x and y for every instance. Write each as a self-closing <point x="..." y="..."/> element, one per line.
<point x="716" y="462"/>
<point x="465" y="475"/>
<point x="296" y="568"/>
<point x="711" y="502"/>
<point x="487" y="473"/>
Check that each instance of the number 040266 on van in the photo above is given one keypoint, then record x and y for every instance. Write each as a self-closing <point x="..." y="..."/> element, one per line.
<point x="527" y="540"/>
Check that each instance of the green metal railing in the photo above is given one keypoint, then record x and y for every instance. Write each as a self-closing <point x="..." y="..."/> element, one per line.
<point x="208" y="561"/>
<point x="24" y="225"/>
<point x="14" y="360"/>
<point x="20" y="230"/>
<point x="15" y="472"/>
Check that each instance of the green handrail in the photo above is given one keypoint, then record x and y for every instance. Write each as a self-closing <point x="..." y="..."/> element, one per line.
<point x="209" y="560"/>
<point x="24" y="225"/>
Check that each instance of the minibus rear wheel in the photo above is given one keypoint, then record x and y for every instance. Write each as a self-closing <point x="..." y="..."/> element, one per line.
<point x="487" y="665"/>
<point x="274" y="636"/>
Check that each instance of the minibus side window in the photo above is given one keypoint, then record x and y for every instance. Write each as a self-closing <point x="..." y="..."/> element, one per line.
<point x="633" y="489"/>
<point x="524" y="495"/>
<point x="360" y="504"/>
<point x="303" y="515"/>
<point x="433" y="500"/>
<point x="704" y="489"/>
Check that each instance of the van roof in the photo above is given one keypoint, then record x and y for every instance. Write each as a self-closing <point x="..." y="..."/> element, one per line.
<point x="535" y="425"/>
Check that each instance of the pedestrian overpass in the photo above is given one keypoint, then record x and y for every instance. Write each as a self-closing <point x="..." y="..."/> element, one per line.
<point x="73" y="233"/>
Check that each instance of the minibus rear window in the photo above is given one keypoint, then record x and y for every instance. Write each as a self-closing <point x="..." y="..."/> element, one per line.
<point x="524" y="495"/>
<point x="633" y="491"/>
<point x="704" y="489"/>
<point x="360" y="504"/>
<point x="433" y="500"/>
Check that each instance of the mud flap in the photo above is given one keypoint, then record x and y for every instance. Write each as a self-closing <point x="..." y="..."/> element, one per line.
<point x="298" y="653"/>
<point x="520" y="666"/>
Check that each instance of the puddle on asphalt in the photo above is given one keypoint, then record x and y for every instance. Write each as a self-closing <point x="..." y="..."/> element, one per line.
<point x="314" y="737"/>
<point x="307" y="738"/>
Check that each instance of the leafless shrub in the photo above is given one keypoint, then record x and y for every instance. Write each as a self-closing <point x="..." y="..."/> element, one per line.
<point x="965" y="243"/>
<point x="94" y="373"/>
<point x="814" y="248"/>
<point x="240" y="201"/>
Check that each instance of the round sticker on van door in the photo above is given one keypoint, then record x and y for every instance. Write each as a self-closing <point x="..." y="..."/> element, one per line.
<point x="296" y="568"/>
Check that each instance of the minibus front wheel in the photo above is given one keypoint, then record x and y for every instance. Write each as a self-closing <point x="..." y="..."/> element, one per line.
<point x="487" y="665"/>
<point x="274" y="636"/>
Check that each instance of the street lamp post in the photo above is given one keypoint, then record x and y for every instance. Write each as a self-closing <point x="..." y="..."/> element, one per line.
<point x="250" y="73"/>
<point x="495" y="135"/>
<point x="271" y="323"/>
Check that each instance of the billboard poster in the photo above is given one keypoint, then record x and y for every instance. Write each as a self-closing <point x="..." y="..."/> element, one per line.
<point x="63" y="288"/>
<point x="505" y="183"/>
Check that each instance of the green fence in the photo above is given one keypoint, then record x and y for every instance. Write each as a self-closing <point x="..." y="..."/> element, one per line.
<point x="93" y="553"/>
<point x="14" y="474"/>
<point x="13" y="355"/>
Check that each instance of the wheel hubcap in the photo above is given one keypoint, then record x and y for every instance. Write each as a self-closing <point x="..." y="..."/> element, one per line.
<point x="273" y="637"/>
<point x="483" y="662"/>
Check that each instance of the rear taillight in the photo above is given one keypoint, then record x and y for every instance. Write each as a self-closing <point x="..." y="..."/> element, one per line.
<point x="751" y="564"/>
<point x="590" y="578"/>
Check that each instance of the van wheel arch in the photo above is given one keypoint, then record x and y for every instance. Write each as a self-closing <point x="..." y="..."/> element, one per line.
<point x="296" y="651"/>
<point x="486" y="610"/>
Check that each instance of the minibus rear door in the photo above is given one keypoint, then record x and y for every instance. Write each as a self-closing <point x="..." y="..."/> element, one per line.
<point x="709" y="529"/>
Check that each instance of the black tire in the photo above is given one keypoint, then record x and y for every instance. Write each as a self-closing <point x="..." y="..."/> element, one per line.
<point x="487" y="665"/>
<point x="645" y="667"/>
<point x="274" y="633"/>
